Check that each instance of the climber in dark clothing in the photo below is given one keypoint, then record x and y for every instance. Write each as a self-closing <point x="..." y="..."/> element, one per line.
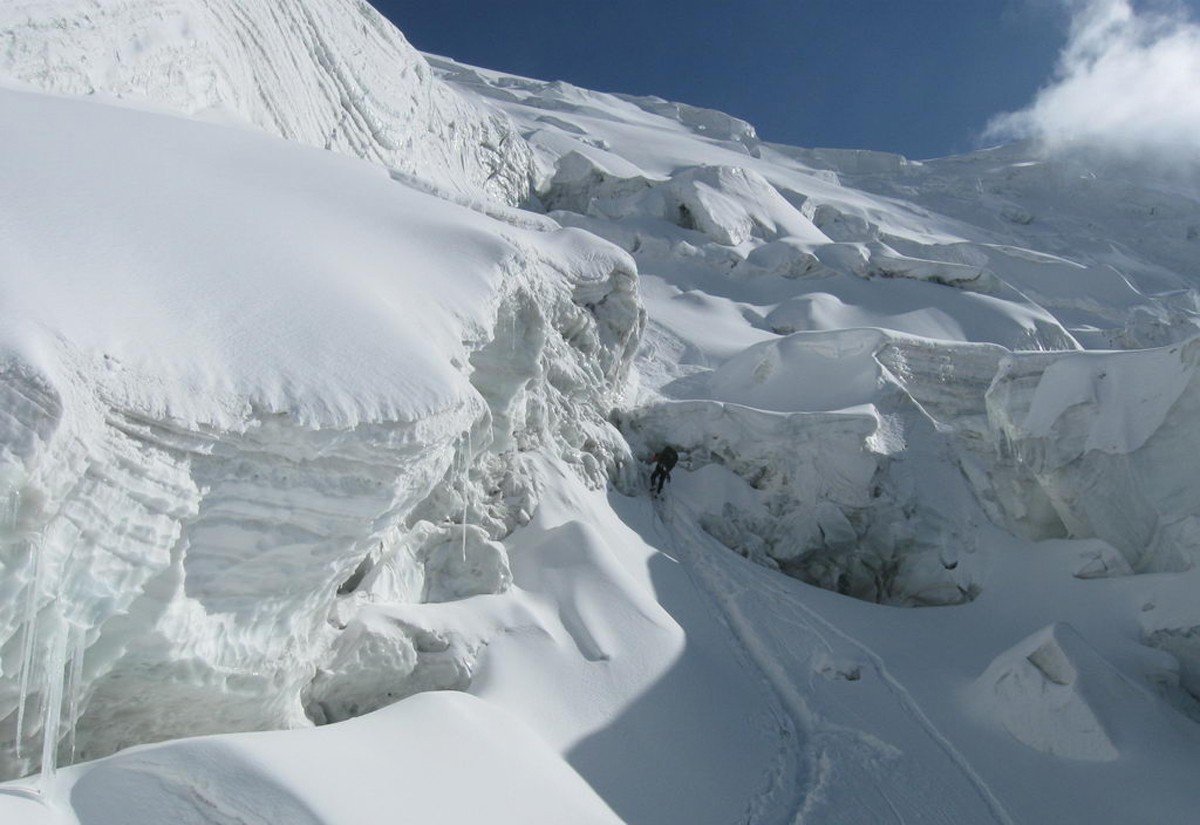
<point x="665" y="459"/>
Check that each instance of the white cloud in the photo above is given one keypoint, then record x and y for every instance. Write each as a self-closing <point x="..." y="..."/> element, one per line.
<point x="1128" y="81"/>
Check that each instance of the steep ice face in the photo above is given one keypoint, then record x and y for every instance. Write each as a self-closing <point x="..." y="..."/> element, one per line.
<point x="332" y="73"/>
<point x="252" y="395"/>
<point x="1098" y="436"/>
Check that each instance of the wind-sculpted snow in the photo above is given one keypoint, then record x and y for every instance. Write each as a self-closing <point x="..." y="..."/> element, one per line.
<point x="332" y="73"/>
<point x="248" y="396"/>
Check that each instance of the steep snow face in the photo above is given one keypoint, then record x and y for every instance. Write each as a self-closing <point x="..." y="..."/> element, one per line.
<point x="245" y="384"/>
<point x="332" y="73"/>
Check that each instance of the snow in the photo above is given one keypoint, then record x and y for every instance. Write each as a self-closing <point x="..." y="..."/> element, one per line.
<point x="342" y="311"/>
<point x="413" y="757"/>
<point x="348" y="450"/>
<point x="240" y="370"/>
<point x="332" y="74"/>
<point x="1040" y="694"/>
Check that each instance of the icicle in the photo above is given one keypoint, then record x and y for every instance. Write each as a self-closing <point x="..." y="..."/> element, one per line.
<point x="53" y="705"/>
<point x="465" y="478"/>
<point x="12" y="510"/>
<point x="75" y="688"/>
<point x="28" y="636"/>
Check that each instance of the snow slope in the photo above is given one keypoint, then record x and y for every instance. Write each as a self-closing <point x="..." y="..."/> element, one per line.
<point x="441" y="757"/>
<point x="290" y="439"/>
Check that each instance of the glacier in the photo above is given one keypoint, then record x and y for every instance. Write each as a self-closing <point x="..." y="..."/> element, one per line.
<point x="329" y="374"/>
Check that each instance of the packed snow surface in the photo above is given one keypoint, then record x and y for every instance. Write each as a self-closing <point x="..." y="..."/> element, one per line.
<point x="323" y="472"/>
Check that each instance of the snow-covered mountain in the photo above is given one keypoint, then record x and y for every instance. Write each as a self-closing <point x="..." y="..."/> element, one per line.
<point x="288" y="437"/>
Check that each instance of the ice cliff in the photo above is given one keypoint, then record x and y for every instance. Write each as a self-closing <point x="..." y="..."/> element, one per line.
<point x="210" y="442"/>
<point x="333" y="74"/>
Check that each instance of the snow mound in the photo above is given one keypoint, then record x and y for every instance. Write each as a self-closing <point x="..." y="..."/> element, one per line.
<point x="803" y="372"/>
<point x="1051" y="692"/>
<point x="502" y="772"/>
<point x="327" y="73"/>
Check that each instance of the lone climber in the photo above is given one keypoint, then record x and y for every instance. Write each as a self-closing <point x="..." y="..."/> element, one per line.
<point x="665" y="459"/>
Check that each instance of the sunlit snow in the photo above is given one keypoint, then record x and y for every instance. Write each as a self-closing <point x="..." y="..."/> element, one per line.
<point x="329" y="377"/>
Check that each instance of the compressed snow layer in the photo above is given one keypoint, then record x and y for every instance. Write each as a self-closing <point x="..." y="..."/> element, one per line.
<point x="331" y="73"/>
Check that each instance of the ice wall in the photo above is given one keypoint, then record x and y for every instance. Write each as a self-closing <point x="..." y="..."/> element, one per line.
<point x="865" y="462"/>
<point x="332" y="73"/>
<point x="861" y="493"/>
<point x="252" y="396"/>
<point x="1106" y="440"/>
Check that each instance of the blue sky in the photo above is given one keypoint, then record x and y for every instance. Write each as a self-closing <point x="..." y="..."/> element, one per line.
<point x="921" y="77"/>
